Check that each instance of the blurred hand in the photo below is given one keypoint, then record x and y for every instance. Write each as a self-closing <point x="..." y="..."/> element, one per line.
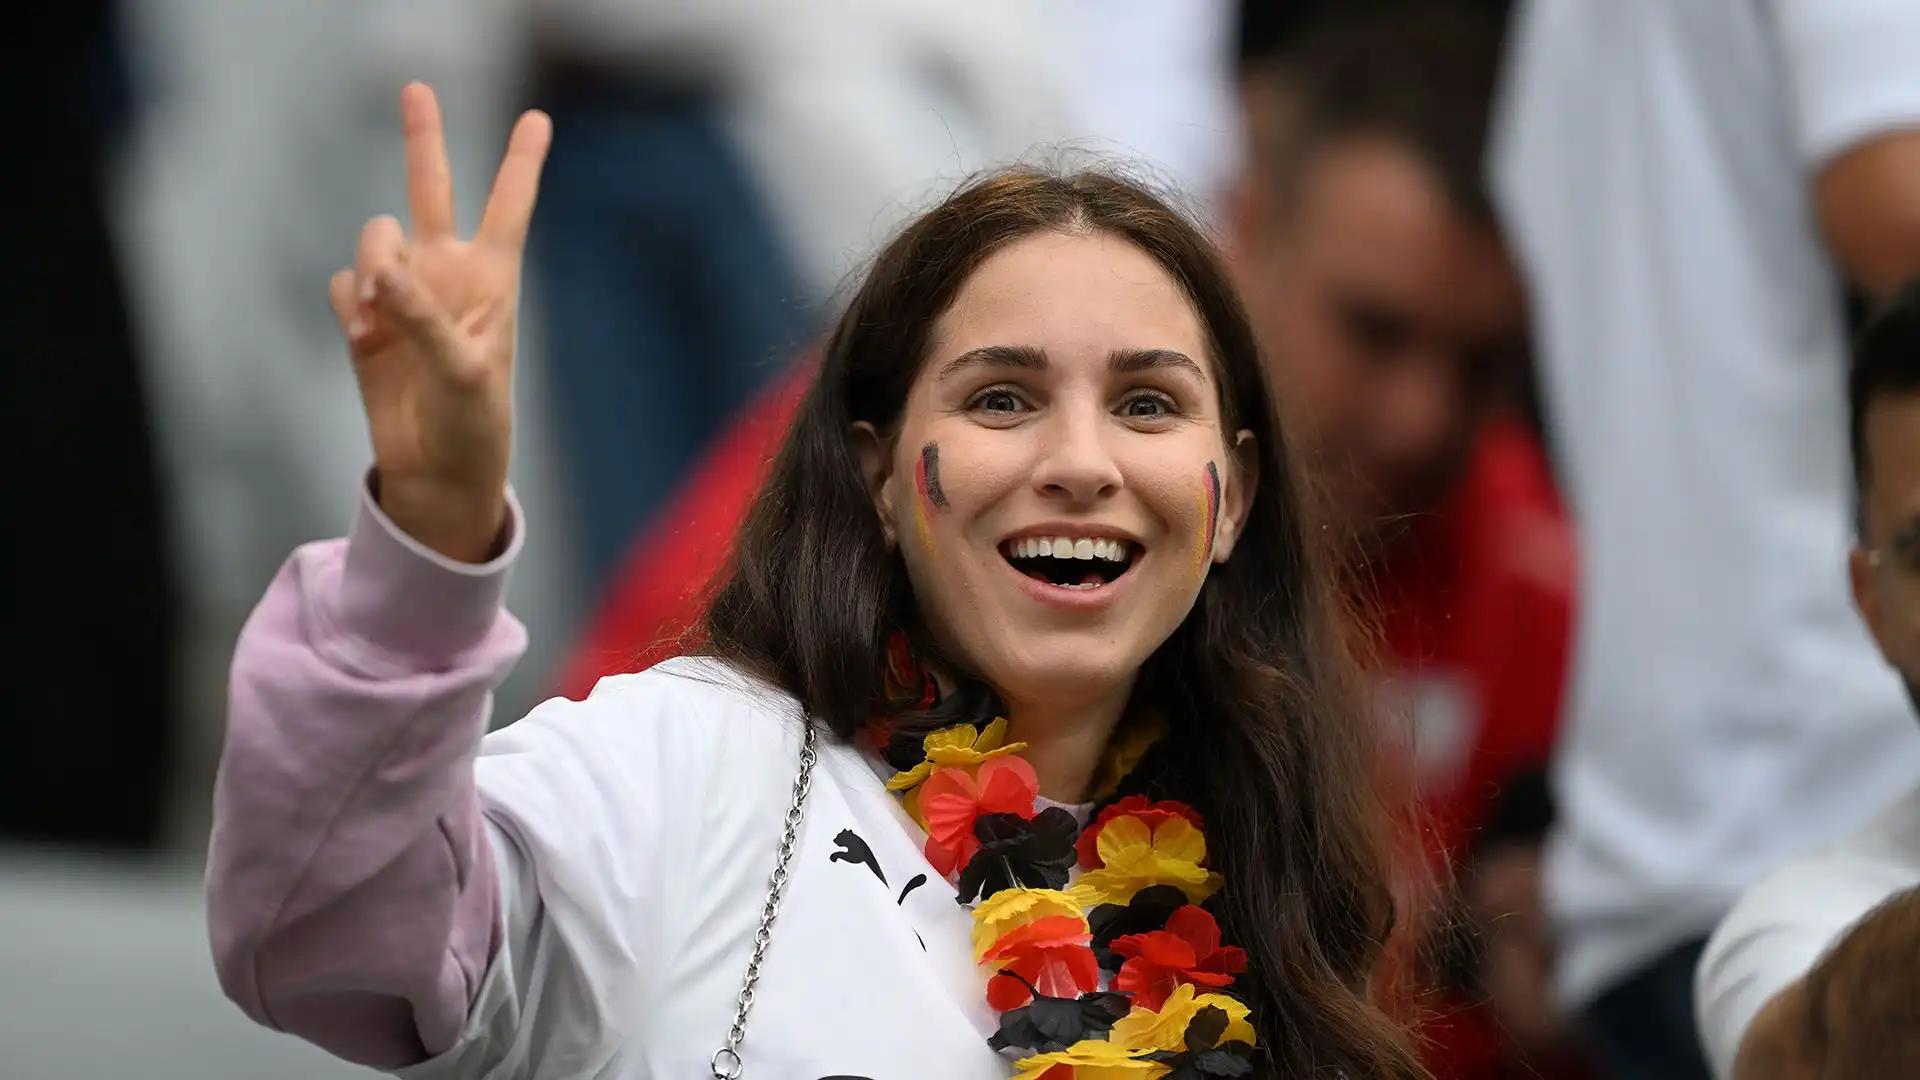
<point x="1517" y="968"/>
<point x="429" y="320"/>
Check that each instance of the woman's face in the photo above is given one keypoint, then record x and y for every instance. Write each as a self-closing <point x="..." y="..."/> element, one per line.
<point x="1061" y="481"/>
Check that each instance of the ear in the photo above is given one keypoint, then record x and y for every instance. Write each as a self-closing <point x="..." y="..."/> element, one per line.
<point x="1866" y="596"/>
<point x="875" y="455"/>
<point x="1242" y="479"/>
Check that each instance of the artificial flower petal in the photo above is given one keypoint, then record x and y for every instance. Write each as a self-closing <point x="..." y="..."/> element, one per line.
<point x="1048" y="1024"/>
<point x="961" y="745"/>
<point x="1153" y="814"/>
<point x="1165" y="1028"/>
<point x="1187" y="951"/>
<point x="1017" y="852"/>
<point x="1049" y="956"/>
<point x="1148" y="911"/>
<point x="1135" y="857"/>
<point x="1089" y="1060"/>
<point x="1011" y="909"/>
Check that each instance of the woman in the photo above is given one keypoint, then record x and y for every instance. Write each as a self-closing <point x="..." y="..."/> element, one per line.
<point x="1030" y="558"/>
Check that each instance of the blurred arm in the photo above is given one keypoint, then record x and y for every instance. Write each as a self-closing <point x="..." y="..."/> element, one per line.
<point x="353" y="894"/>
<point x="1857" y="1013"/>
<point x="1854" y="67"/>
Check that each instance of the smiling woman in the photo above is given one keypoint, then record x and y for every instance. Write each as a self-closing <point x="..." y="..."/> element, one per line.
<point x="1030" y="559"/>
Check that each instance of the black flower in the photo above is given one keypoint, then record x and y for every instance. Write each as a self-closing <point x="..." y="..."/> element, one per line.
<point x="1050" y="1024"/>
<point x="1205" y="1055"/>
<point x="1146" y="912"/>
<point x="1017" y="852"/>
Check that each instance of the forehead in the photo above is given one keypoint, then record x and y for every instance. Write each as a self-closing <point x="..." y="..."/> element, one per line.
<point x="1368" y="213"/>
<point x="1078" y="297"/>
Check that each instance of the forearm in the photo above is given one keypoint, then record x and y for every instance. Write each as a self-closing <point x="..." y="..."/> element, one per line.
<point x="352" y="894"/>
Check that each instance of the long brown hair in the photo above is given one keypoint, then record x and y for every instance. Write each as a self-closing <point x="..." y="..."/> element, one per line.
<point x="1272" y="738"/>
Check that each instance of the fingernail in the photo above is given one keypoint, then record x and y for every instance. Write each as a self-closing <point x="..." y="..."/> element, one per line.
<point x="367" y="289"/>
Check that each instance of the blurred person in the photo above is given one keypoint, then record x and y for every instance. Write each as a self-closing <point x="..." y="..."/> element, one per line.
<point x="1813" y="974"/>
<point x="1393" y="316"/>
<point x="1689" y="186"/>
<point x="1032" y="559"/>
<point x="88" y="580"/>
<point x="243" y="168"/>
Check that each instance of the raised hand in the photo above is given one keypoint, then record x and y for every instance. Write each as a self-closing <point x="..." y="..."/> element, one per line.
<point x="429" y="319"/>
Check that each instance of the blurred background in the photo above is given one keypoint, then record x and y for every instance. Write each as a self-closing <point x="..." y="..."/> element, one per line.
<point x="180" y="414"/>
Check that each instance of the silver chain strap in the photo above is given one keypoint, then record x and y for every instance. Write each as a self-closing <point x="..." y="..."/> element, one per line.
<point x="726" y="1062"/>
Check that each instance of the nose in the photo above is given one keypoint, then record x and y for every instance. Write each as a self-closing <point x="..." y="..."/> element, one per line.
<point x="1076" y="464"/>
<point x="1418" y="410"/>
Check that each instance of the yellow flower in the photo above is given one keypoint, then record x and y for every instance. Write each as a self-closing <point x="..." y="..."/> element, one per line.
<point x="1092" y="1059"/>
<point x="1125" y="752"/>
<point x="1011" y="909"/>
<point x="1143" y="1030"/>
<point x="960" y="746"/>
<point x="1137" y="857"/>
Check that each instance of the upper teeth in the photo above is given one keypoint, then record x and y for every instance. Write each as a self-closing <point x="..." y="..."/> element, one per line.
<point x="1067" y="547"/>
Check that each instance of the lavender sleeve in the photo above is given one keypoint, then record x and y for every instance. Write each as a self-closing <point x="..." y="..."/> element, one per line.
<point x="353" y="897"/>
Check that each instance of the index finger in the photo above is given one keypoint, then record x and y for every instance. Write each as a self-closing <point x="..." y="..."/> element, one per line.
<point x="510" y="205"/>
<point x="429" y="179"/>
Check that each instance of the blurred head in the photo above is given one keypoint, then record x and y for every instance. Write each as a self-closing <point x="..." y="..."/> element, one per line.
<point x="1885" y="413"/>
<point x="1383" y="296"/>
<point x="1041" y="444"/>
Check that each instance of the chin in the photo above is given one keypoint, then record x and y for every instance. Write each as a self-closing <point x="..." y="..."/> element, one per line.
<point x="1062" y="671"/>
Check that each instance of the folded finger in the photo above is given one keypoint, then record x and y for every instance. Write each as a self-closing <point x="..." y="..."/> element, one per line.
<point x="516" y="186"/>
<point x="380" y="242"/>
<point x="400" y="297"/>
<point x="341" y="296"/>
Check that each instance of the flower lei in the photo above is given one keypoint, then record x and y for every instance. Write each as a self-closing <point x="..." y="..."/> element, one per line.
<point x="1134" y="911"/>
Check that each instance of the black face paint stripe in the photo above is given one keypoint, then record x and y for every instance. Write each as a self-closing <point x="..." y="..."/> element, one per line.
<point x="930" y="465"/>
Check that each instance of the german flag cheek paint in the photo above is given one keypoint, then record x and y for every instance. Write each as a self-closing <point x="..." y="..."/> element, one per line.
<point x="926" y="482"/>
<point x="1209" y="518"/>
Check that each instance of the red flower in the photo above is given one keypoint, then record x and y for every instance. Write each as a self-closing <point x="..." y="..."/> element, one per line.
<point x="1048" y="956"/>
<point x="952" y="799"/>
<point x="1151" y="813"/>
<point x="1187" y="951"/>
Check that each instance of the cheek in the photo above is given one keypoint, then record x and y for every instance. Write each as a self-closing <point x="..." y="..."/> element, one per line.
<point x="1188" y="499"/>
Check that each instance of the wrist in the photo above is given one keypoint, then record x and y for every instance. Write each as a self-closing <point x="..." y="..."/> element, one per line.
<point x="462" y="525"/>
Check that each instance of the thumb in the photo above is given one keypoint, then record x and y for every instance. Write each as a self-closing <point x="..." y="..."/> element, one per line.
<point x="400" y="297"/>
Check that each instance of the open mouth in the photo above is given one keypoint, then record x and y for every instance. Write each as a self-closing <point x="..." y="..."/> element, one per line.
<point x="1070" y="562"/>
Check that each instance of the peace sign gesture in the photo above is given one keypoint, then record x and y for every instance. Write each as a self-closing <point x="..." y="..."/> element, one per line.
<point x="429" y="319"/>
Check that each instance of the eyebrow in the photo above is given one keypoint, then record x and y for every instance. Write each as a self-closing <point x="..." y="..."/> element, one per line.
<point x="1028" y="358"/>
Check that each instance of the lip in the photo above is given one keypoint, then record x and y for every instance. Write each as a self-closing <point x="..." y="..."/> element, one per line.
<point x="1080" y="600"/>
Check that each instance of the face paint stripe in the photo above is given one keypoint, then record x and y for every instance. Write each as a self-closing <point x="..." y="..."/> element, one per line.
<point x="1210" y="517"/>
<point x="929" y="476"/>
<point x="926" y="480"/>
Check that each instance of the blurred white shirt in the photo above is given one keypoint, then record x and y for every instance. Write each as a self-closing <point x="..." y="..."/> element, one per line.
<point x="1727" y="709"/>
<point x="1786" y="923"/>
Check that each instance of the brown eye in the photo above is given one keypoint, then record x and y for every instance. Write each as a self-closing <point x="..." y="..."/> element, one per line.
<point x="1000" y="401"/>
<point x="1146" y="407"/>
